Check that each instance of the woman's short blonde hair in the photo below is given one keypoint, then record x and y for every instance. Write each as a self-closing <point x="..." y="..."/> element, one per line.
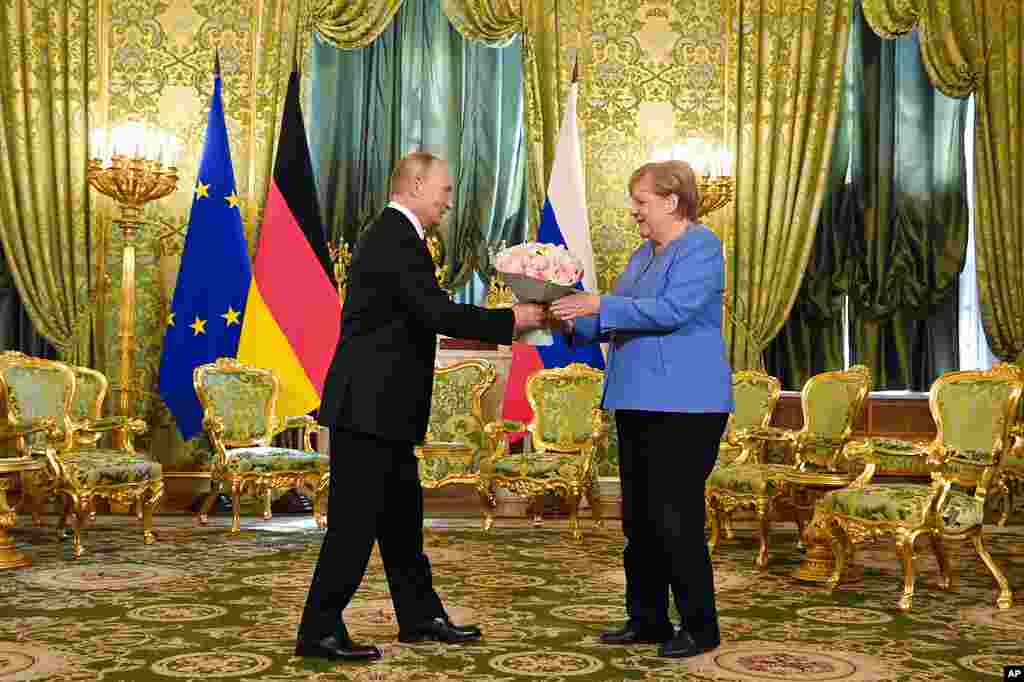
<point x="668" y="178"/>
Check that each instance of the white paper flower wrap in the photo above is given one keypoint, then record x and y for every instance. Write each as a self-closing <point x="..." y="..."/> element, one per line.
<point x="539" y="273"/>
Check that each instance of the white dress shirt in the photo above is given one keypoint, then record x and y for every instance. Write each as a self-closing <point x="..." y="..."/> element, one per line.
<point x="408" y="214"/>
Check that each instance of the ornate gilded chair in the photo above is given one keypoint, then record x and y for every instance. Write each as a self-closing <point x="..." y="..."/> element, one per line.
<point x="1009" y="490"/>
<point x="455" y="433"/>
<point x="566" y="430"/>
<point x="831" y="403"/>
<point x="239" y="416"/>
<point x="974" y="412"/>
<point x="756" y="395"/>
<point x="38" y="397"/>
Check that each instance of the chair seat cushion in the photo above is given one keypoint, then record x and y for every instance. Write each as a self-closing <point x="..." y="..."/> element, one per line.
<point x="438" y="468"/>
<point x="748" y="479"/>
<point x="904" y="503"/>
<point x="96" y="467"/>
<point x="541" y="465"/>
<point x="270" y="459"/>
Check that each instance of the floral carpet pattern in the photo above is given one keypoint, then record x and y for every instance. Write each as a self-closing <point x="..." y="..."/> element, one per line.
<point x="198" y="605"/>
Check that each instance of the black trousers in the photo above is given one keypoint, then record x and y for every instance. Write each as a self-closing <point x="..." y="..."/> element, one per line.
<point x="664" y="460"/>
<point x="375" y="495"/>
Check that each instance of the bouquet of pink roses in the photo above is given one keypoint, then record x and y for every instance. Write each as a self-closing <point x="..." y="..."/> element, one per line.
<point x="539" y="273"/>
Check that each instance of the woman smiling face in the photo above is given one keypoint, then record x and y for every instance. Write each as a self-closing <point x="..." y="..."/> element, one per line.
<point x="653" y="213"/>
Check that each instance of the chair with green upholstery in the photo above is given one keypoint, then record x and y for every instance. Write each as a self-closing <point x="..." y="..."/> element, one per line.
<point x="239" y="416"/>
<point x="567" y="428"/>
<point x="756" y="394"/>
<point x="974" y="412"/>
<point x="456" y="419"/>
<point x="1008" y="493"/>
<point x="39" y="399"/>
<point x="831" y="403"/>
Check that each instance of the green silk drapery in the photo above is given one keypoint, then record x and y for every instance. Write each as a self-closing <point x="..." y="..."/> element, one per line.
<point x="978" y="46"/>
<point x="788" y="61"/>
<point x="549" y="32"/>
<point x="909" y="175"/>
<point x="46" y="72"/>
<point x="422" y="85"/>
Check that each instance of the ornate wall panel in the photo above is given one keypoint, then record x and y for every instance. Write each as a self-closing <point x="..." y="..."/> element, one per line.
<point x="654" y="77"/>
<point x="157" y="65"/>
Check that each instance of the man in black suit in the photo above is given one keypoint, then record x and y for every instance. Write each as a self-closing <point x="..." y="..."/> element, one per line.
<point x="376" y="401"/>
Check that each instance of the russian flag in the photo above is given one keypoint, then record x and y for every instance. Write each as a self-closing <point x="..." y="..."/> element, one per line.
<point x="564" y="222"/>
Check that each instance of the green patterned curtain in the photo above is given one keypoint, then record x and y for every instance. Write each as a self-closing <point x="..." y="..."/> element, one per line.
<point x="352" y="24"/>
<point x="788" y="59"/>
<point x="551" y="42"/>
<point x="910" y="176"/>
<point x="978" y="46"/>
<point x="811" y="340"/>
<point x="421" y="85"/>
<point x="47" y="60"/>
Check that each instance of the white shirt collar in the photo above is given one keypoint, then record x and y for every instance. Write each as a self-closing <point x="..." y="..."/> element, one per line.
<point x="408" y="214"/>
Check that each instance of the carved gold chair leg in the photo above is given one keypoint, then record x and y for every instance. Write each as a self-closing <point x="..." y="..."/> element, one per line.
<point x="148" y="503"/>
<point x="320" y="501"/>
<point x="842" y="551"/>
<point x="79" y="512"/>
<point x="236" y="505"/>
<point x="942" y="557"/>
<point x="1005" y="599"/>
<point x="574" y="515"/>
<point x="487" y="503"/>
<point x="765" y="525"/>
<point x="1004" y="498"/>
<point x="203" y="515"/>
<point x="267" y="514"/>
<point x="905" y="551"/>
<point x="730" y="532"/>
<point x="594" y="500"/>
<point x="800" y="526"/>
<point x="715" y="515"/>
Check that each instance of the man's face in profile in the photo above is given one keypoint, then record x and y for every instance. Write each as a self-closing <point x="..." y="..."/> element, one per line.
<point x="437" y="194"/>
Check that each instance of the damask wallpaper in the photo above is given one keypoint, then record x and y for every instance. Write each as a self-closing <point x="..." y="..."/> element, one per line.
<point x="653" y="78"/>
<point x="156" y="63"/>
<point x="652" y="75"/>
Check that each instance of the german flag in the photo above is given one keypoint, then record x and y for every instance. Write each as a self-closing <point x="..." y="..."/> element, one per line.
<point x="293" y="313"/>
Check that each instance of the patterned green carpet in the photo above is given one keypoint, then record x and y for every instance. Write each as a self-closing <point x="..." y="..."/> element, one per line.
<point x="200" y="606"/>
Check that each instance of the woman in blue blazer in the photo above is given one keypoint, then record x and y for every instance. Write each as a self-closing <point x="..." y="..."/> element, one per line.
<point x="670" y="385"/>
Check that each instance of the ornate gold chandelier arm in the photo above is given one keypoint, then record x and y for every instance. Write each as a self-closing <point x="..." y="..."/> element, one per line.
<point x="715" y="192"/>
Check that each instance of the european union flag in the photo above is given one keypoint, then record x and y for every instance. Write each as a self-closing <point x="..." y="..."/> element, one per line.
<point x="213" y="281"/>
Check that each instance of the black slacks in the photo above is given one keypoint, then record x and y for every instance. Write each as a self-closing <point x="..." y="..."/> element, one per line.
<point x="375" y="495"/>
<point x="664" y="460"/>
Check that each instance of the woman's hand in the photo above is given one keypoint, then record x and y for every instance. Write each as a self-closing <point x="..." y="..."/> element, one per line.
<point x="576" y="305"/>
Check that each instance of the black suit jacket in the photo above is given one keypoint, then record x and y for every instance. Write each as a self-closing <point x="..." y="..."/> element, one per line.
<point x="381" y="376"/>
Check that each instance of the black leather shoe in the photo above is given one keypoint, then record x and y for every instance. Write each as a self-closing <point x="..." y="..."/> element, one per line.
<point x="633" y="633"/>
<point x="337" y="649"/>
<point x="439" y="630"/>
<point x="684" y="646"/>
<point x="465" y="629"/>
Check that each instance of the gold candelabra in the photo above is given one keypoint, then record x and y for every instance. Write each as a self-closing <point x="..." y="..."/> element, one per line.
<point x="715" y="192"/>
<point x="341" y="256"/>
<point x="133" y="166"/>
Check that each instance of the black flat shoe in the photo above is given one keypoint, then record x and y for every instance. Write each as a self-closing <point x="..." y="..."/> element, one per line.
<point x="631" y="633"/>
<point x="684" y="646"/>
<point x="337" y="649"/>
<point x="464" y="629"/>
<point x="439" y="630"/>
